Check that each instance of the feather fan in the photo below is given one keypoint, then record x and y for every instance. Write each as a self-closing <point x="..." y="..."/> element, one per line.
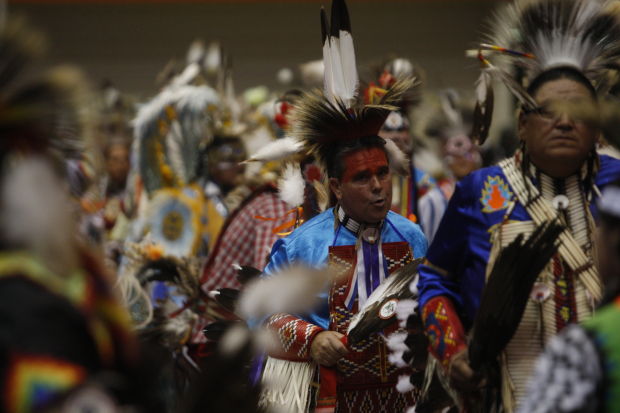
<point x="507" y="291"/>
<point x="373" y="317"/>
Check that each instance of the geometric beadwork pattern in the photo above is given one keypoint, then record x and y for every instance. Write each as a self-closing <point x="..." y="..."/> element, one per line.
<point x="443" y="329"/>
<point x="377" y="400"/>
<point x="366" y="380"/>
<point x="294" y="336"/>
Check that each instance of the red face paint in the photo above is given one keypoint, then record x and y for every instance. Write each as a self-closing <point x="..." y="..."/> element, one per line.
<point x="365" y="190"/>
<point x="368" y="161"/>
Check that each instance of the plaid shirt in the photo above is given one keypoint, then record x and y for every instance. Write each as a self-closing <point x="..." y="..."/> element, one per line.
<point x="245" y="240"/>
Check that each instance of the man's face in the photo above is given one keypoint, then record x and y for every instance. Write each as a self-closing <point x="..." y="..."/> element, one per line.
<point x="554" y="140"/>
<point x="225" y="167"/>
<point x="461" y="155"/>
<point x="365" y="189"/>
<point x="117" y="163"/>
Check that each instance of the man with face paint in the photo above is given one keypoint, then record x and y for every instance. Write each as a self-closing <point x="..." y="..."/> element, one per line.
<point x="359" y="241"/>
<point x="367" y="242"/>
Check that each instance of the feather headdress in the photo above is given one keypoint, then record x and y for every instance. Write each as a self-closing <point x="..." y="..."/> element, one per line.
<point x="324" y="120"/>
<point x="537" y="36"/>
<point x="321" y="125"/>
<point x="169" y="131"/>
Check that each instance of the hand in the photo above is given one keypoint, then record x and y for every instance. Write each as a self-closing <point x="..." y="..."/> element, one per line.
<point x="462" y="377"/>
<point x="326" y="348"/>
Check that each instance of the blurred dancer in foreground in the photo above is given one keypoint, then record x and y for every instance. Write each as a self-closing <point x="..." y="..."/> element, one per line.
<point x="65" y="341"/>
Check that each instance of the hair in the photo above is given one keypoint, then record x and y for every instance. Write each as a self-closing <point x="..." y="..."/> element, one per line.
<point x="334" y="160"/>
<point x="562" y="72"/>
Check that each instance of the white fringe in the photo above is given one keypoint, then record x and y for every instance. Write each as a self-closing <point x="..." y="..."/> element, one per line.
<point x="286" y="385"/>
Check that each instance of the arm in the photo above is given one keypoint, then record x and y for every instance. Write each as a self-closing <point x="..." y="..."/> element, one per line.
<point x="301" y="339"/>
<point x="439" y="283"/>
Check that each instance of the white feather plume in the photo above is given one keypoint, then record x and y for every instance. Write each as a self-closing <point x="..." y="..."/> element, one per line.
<point x="292" y="185"/>
<point x="187" y="76"/>
<point x="396" y="341"/>
<point x="37" y="214"/>
<point x="277" y="150"/>
<point x="340" y="77"/>
<point x="579" y="33"/>
<point x="196" y="52"/>
<point x="294" y="290"/>
<point x="404" y="384"/>
<point x="174" y="150"/>
<point x="406" y="308"/>
<point x="398" y="160"/>
<point x="396" y="358"/>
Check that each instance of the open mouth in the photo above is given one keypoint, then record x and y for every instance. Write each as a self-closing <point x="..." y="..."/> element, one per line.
<point x="378" y="202"/>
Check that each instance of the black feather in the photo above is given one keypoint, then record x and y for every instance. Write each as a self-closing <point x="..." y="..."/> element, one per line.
<point x="369" y="321"/>
<point x="507" y="292"/>
<point x="337" y="18"/>
<point x="226" y="297"/>
<point x="345" y="20"/>
<point x="324" y="26"/>
<point x="247" y="273"/>
<point x="482" y="119"/>
<point x="159" y="270"/>
<point x="215" y="330"/>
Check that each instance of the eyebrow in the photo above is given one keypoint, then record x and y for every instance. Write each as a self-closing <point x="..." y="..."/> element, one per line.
<point x="361" y="174"/>
<point x="365" y="172"/>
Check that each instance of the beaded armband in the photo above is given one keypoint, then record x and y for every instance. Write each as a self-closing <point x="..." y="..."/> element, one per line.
<point x="443" y="329"/>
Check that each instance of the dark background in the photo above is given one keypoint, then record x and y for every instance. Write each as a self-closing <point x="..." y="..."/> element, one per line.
<point x="130" y="42"/>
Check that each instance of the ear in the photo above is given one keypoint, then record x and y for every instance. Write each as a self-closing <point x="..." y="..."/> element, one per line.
<point x="522" y="122"/>
<point x="334" y="185"/>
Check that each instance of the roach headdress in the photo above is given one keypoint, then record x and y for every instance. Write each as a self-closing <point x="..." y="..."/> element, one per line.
<point x="324" y="121"/>
<point x="537" y="36"/>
